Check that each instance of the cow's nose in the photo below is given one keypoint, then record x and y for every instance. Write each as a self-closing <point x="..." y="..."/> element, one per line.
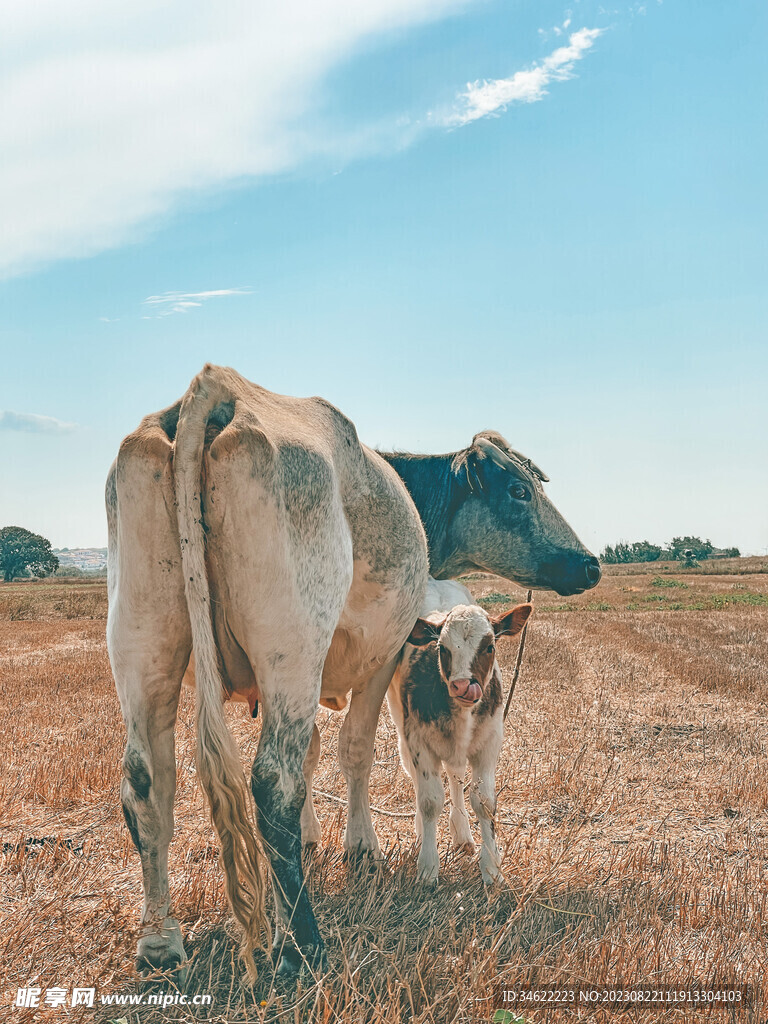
<point x="592" y="571"/>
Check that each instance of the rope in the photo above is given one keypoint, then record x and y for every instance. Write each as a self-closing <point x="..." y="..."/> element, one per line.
<point x="376" y="810"/>
<point x="518" y="663"/>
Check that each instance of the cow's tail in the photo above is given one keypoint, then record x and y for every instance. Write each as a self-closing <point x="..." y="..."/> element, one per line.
<point x="218" y="758"/>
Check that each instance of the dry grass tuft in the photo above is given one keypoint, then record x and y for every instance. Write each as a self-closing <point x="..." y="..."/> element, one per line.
<point x="633" y="820"/>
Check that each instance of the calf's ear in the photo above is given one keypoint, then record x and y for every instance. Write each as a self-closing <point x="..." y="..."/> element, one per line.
<point x="511" y="622"/>
<point x="425" y="631"/>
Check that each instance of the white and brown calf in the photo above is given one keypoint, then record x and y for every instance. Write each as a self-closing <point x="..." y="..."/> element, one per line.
<point x="446" y="701"/>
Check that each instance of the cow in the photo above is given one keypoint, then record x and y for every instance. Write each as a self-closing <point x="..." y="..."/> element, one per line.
<point x="257" y="544"/>
<point x="256" y="531"/>
<point x="483" y="508"/>
<point x="446" y="702"/>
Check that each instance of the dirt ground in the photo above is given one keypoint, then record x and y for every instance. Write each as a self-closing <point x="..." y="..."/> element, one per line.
<point x="633" y="819"/>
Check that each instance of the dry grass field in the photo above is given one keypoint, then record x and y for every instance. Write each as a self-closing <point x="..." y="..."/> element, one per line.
<point x="633" y="818"/>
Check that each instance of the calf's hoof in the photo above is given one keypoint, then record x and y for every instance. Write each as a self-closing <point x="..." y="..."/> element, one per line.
<point x="161" y="949"/>
<point x="491" y="875"/>
<point x="464" y="849"/>
<point x="360" y="844"/>
<point x="428" y="871"/>
<point x="362" y="858"/>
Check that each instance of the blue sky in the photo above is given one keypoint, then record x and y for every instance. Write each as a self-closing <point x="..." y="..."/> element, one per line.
<point x="547" y="219"/>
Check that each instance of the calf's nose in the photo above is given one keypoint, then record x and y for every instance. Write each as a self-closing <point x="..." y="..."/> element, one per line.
<point x="465" y="689"/>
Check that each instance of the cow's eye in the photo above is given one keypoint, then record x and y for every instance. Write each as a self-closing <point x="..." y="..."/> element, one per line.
<point x="489" y="649"/>
<point x="519" y="492"/>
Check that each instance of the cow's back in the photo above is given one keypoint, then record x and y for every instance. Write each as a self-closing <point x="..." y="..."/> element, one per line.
<point x="281" y="477"/>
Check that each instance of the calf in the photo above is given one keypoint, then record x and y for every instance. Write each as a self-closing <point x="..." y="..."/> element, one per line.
<point x="446" y="701"/>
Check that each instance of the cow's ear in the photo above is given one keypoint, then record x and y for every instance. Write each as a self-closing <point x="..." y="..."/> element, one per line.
<point x="425" y="632"/>
<point x="511" y="622"/>
<point x="485" y="459"/>
<point x="475" y="473"/>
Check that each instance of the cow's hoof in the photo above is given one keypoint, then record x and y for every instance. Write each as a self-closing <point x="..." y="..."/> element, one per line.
<point x="293" y="963"/>
<point x="163" y="950"/>
<point x="311" y="833"/>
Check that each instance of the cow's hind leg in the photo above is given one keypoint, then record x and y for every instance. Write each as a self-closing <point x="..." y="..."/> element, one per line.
<point x="278" y="786"/>
<point x="356" y="743"/>
<point x="149" y="692"/>
<point x="311" y="833"/>
<point x="149" y="642"/>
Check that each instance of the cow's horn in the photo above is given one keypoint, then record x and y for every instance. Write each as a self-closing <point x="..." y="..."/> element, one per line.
<point x="507" y="460"/>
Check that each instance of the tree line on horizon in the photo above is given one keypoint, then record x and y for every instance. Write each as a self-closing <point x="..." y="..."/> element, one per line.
<point x="679" y="549"/>
<point x="24" y="554"/>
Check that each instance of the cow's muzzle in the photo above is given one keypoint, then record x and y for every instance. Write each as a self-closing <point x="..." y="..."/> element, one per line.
<point x="465" y="691"/>
<point x="570" y="575"/>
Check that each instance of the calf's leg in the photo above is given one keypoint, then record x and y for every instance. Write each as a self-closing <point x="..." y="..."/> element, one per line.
<point x="430" y="797"/>
<point x="459" y="820"/>
<point x="482" y="796"/>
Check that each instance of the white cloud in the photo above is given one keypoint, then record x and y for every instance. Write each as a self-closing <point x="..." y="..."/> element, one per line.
<point x="31" y="423"/>
<point x="489" y="97"/>
<point x="182" y="302"/>
<point x="111" y="113"/>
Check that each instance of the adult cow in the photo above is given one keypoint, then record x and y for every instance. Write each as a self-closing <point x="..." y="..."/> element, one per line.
<point x="257" y="531"/>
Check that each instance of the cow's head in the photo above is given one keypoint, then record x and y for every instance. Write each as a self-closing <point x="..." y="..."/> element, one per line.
<point x="466" y="645"/>
<point x="507" y="525"/>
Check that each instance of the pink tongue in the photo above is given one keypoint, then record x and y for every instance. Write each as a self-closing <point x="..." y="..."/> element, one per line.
<point x="472" y="692"/>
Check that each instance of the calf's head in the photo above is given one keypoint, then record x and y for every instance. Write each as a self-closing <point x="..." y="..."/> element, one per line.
<point x="466" y="645"/>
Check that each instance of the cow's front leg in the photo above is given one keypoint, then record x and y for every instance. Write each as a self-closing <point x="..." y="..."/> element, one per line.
<point x="482" y="796"/>
<point x="278" y="786"/>
<point x="430" y="797"/>
<point x="311" y="833"/>
<point x="356" y="742"/>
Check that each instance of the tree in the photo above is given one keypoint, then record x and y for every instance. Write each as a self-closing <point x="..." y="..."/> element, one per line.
<point x="644" y="551"/>
<point x="701" y="548"/>
<point x="23" y="553"/>
<point x="640" y="551"/>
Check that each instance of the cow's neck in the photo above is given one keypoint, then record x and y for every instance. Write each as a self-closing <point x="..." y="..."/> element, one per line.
<point x="437" y="493"/>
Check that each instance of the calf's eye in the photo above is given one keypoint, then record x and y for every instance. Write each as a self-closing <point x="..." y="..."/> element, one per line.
<point x="519" y="492"/>
<point x="489" y="649"/>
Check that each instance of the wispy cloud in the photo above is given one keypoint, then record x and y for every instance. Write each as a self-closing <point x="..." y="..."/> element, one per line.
<point x="31" y="423"/>
<point x="484" y="98"/>
<point x="558" y="30"/>
<point x="113" y="114"/>
<point x="182" y="302"/>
